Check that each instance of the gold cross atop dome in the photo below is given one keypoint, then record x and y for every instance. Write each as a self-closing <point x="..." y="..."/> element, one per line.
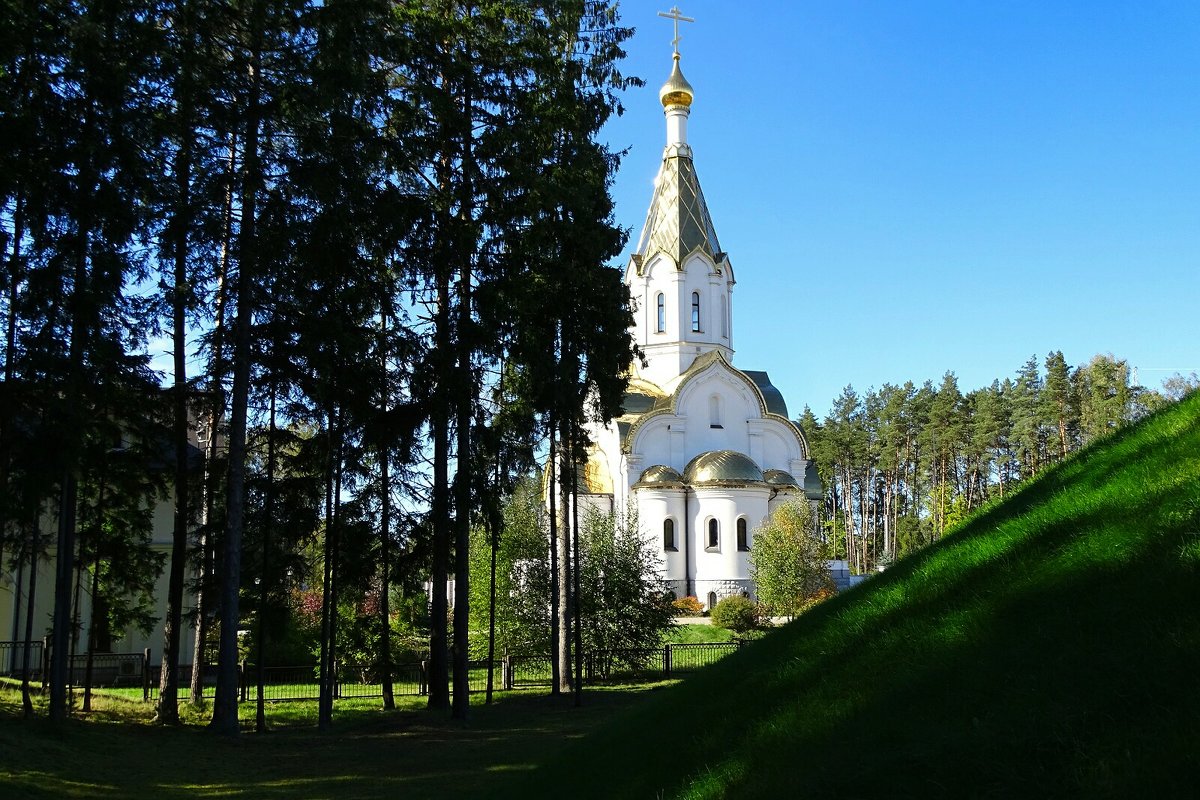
<point x="674" y="14"/>
<point x="676" y="91"/>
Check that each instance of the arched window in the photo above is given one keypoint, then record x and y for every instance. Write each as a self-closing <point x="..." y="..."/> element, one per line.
<point x="743" y="539"/>
<point x="714" y="412"/>
<point x="696" y="311"/>
<point x="714" y="535"/>
<point x="725" y="316"/>
<point x="712" y="600"/>
<point x="669" y="534"/>
<point x="662" y="313"/>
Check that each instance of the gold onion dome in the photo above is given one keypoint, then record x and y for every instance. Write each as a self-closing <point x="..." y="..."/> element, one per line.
<point x="660" y="475"/>
<point x="722" y="467"/>
<point x="676" y="91"/>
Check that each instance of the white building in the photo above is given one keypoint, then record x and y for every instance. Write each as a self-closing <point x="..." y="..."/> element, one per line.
<point x="704" y="450"/>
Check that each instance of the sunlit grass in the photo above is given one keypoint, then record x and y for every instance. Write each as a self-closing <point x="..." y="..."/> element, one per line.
<point x="1047" y="647"/>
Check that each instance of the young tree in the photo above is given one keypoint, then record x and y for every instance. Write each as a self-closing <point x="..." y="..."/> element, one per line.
<point x="787" y="562"/>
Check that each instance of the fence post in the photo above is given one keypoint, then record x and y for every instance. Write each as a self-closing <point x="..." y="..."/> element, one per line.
<point x="423" y="679"/>
<point x="146" y="675"/>
<point x="337" y="684"/>
<point x="242" y="680"/>
<point x="45" y="661"/>
<point x="667" y="660"/>
<point x="506" y="672"/>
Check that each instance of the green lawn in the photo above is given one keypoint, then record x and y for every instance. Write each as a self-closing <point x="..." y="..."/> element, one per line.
<point x="410" y="752"/>
<point x="698" y="634"/>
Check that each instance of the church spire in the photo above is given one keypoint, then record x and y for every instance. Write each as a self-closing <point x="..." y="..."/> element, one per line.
<point x="681" y="281"/>
<point x="678" y="222"/>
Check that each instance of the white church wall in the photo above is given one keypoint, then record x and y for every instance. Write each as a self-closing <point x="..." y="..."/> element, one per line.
<point x="774" y="445"/>
<point x="654" y="507"/>
<point x="724" y="570"/>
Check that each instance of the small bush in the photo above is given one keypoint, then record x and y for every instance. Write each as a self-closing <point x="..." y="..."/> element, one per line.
<point x="736" y="613"/>
<point x="688" y="606"/>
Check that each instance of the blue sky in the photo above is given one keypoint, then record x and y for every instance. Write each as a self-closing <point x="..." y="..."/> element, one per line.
<point x="906" y="188"/>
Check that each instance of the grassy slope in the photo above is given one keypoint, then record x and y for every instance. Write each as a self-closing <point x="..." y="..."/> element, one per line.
<point x="1050" y="647"/>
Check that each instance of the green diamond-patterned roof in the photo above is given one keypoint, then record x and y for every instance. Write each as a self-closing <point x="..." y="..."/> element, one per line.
<point x="678" y="222"/>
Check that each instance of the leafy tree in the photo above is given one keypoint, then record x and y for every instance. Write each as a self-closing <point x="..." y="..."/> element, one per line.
<point x="626" y="604"/>
<point x="787" y="563"/>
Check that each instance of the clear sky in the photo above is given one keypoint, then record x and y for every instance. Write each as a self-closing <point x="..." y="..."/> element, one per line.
<point x="910" y="187"/>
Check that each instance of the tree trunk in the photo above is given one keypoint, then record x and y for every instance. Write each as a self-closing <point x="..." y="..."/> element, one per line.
<point x="562" y="545"/>
<point x="462" y="504"/>
<point x="225" y="706"/>
<point x="385" y="534"/>
<point x="216" y="414"/>
<point x="556" y="663"/>
<point x="35" y="539"/>
<point x="439" y="686"/>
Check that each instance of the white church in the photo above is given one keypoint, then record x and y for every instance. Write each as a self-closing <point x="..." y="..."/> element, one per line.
<point x="703" y="450"/>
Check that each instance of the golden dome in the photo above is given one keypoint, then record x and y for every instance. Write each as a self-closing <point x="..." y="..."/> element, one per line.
<point x="779" y="478"/>
<point x="676" y="91"/>
<point x="660" y="475"/>
<point x="722" y="467"/>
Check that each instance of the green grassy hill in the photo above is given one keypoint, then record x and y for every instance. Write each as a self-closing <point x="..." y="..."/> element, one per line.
<point x="1048" y="648"/>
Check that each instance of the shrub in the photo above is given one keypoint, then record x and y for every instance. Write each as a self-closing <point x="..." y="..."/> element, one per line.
<point x="736" y="613"/>
<point x="688" y="606"/>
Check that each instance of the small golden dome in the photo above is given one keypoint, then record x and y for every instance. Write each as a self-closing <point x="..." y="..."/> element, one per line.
<point x="676" y="91"/>
<point x="722" y="467"/>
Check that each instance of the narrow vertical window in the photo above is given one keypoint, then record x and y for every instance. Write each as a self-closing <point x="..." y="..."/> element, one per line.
<point x="714" y="412"/>
<point x="668" y="534"/>
<point x="725" y="316"/>
<point x="712" y="600"/>
<point x="743" y="540"/>
<point x="696" y="311"/>
<point x="662" y="313"/>
<point x="714" y="535"/>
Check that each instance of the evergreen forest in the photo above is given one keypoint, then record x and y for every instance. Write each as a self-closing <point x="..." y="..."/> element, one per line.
<point x="372" y="238"/>
<point x="902" y="465"/>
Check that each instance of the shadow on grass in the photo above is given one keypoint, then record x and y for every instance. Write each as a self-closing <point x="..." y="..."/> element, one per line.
<point x="371" y="753"/>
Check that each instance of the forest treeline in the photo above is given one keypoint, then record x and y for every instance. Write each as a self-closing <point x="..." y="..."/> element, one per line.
<point x="902" y="464"/>
<point x="373" y="236"/>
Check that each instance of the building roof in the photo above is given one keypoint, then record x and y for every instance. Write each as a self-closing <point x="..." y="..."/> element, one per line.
<point x="678" y="223"/>
<point x="780" y="478"/>
<point x="722" y="467"/>
<point x="659" y="475"/>
<point x="772" y="396"/>
<point x="812" y="481"/>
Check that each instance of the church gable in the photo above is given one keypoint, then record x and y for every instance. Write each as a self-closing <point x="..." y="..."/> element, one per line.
<point x="714" y="406"/>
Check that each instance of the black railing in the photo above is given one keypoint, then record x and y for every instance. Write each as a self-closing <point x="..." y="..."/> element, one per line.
<point x="14" y="655"/>
<point x="518" y="671"/>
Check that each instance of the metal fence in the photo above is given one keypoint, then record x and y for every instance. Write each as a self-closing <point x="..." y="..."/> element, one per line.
<point x="14" y="656"/>
<point x="520" y="671"/>
<point x="531" y="670"/>
<point x="684" y="658"/>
